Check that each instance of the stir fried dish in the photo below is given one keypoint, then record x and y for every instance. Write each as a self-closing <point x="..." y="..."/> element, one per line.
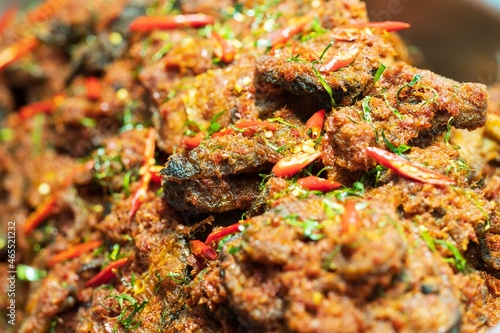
<point x="240" y="166"/>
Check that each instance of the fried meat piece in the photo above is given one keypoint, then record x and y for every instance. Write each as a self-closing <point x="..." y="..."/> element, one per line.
<point x="403" y="113"/>
<point x="219" y="175"/>
<point x="278" y="279"/>
<point x="296" y="70"/>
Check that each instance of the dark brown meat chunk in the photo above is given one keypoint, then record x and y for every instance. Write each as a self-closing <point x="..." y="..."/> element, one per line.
<point x="330" y="284"/>
<point x="348" y="84"/>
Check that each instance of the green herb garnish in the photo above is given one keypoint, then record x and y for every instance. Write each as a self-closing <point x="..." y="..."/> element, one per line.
<point x="379" y="73"/>
<point x="28" y="273"/>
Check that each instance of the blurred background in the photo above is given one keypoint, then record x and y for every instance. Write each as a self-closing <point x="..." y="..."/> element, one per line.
<point x="459" y="39"/>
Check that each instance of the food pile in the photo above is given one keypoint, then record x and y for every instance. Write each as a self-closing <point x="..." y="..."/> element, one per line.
<point x="241" y="166"/>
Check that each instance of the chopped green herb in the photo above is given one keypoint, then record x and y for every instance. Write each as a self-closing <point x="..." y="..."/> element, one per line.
<point x="379" y="72"/>
<point x="214" y="126"/>
<point x="234" y="249"/>
<point x="393" y="109"/>
<point x="316" y="26"/>
<point x="115" y="252"/>
<point x="309" y="227"/>
<point x="429" y="241"/>
<point x="37" y="133"/>
<point x="128" y="312"/>
<point x="471" y="196"/>
<point x="448" y="130"/>
<point x="28" y="273"/>
<point x="327" y="264"/>
<point x="376" y="171"/>
<point x="325" y="86"/>
<point x="6" y="134"/>
<point x="457" y="165"/>
<point x="357" y="189"/>
<point x="365" y="105"/>
<point x="413" y="81"/>
<point x="162" y="51"/>
<point x="332" y="209"/>
<point x="295" y="58"/>
<point x="126" y="182"/>
<point x="326" y="49"/>
<point x="458" y="260"/>
<point x="88" y="122"/>
<point x="265" y="178"/>
<point x="399" y="150"/>
<point x="281" y="121"/>
<point x="177" y="278"/>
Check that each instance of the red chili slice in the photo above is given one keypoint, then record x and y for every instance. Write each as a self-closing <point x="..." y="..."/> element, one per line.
<point x="93" y="88"/>
<point x="140" y="194"/>
<point x="249" y="127"/>
<point x="7" y="17"/>
<point x="313" y="183"/>
<point x="200" y="249"/>
<point x="385" y="25"/>
<point x="223" y="232"/>
<point x="315" y="123"/>
<point x="406" y="168"/>
<point x="290" y="165"/>
<point x="106" y="274"/>
<point x="279" y="38"/>
<point x="74" y="251"/>
<point x="40" y="214"/>
<point x="349" y="222"/>
<point x="17" y="51"/>
<point x="192" y="142"/>
<point x="224" y="50"/>
<point x="154" y="171"/>
<point x="29" y="110"/>
<point x="148" y="23"/>
<point x="339" y="61"/>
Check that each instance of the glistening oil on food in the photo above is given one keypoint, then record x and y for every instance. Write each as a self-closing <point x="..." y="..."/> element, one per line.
<point x="240" y="166"/>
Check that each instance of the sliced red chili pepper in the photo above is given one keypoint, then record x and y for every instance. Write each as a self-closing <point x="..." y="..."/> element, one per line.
<point x="106" y="274"/>
<point x="315" y="123"/>
<point x="148" y="23"/>
<point x="406" y="168"/>
<point x="74" y="251"/>
<point x="280" y="38"/>
<point x="149" y="159"/>
<point x="249" y="128"/>
<point x="154" y="170"/>
<point x="349" y="222"/>
<point x="7" y="17"/>
<point x="47" y="207"/>
<point x="339" y="61"/>
<point x="46" y="106"/>
<point x="224" y="50"/>
<point x="29" y="110"/>
<point x="313" y="183"/>
<point x="290" y="165"/>
<point x="192" y="142"/>
<point x="40" y="214"/>
<point x="303" y="53"/>
<point x="17" y="51"/>
<point x="385" y="25"/>
<point x="217" y="235"/>
<point x="93" y="88"/>
<point x="200" y="249"/>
